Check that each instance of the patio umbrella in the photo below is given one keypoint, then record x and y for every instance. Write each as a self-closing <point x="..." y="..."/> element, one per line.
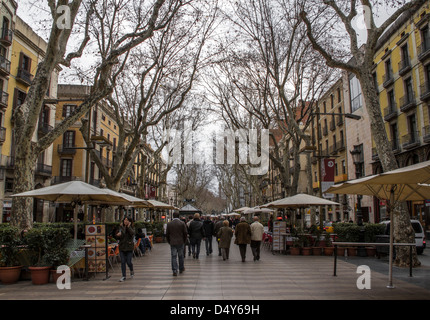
<point x="257" y="210"/>
<point x="300" y="200"/>
<point x="75" y="192"/>
<point x="241" y="209"/>
<point x="403" y="184"/>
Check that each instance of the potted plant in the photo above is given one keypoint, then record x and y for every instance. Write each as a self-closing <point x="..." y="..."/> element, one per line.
<point x="295" y="248"/>
<point x="306" y="248"/>
<point x="39" y="268"/>
<point x="328" y="249"/>
<point x="316" y="233"/>
<point x="56" y="253"/>
<point x="10" y="269"/>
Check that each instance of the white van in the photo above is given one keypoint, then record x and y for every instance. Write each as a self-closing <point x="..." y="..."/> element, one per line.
<point x="420" y="238"/>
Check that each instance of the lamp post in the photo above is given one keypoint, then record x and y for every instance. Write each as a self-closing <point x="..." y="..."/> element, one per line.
<point x="356" y="157"/>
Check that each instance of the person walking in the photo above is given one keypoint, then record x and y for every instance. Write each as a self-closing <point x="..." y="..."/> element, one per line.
<point x="196" y="233"/>
<point x="225" y="233"/>
<point x="257" y="231"/>
<point x="217" y="227"/>
<point x="125" y="236"/>
<point x="243" y="236"/>
<point x="208" y="228"/>
<point x="176" y="236"/>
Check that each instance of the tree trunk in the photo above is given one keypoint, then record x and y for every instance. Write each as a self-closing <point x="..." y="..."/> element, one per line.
<point x="403" y="231"/>
<point x="22" y="208"/>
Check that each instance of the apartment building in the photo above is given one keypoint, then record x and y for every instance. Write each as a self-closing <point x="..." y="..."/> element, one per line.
<point x="21" y="51"/>
<point x="402" y="73"/>
<point x="329" y="138"/>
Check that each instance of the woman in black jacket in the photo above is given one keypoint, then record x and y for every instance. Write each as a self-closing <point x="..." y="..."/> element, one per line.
<point x="126" y="246"/>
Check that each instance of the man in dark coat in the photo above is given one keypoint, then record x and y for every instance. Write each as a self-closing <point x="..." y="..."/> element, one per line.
<point x="208" y="227"/>
<point x="176" y="236"/>
<point x="196" y="233"/>
<point x="243" y="236"/>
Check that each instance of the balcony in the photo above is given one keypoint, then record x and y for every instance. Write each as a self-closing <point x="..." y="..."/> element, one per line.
<point x="426" y="134"/>
<point x="333" y="125"/>
<point x="424" y="50"/>
<point x="325" y="131"/>
<point x="44" y="128"/>
<point x="387" y="80"/>
<point x="43" y="170"/>
<point x="66" y="149"/>
<point x="333" y="149"/>
<point x="2" y="134"/>
<point x="410" y="140"/>
<point x="339" y="121"/>
<point x="6" y="37"/>
<point x="24" y="77"/>
<point x="425" y="91"/>
<point x="4" y="98"/>
<point x="404" y="67"/>
<point x="407" y="102"/>
<point x="395" y="145"/>
<point x="4" y="66"/>
<point x="390" y="112"/>
<point x="7" y="162"/>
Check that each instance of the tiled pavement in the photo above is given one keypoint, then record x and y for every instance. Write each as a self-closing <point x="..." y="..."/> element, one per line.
<point x="274" y="277"/>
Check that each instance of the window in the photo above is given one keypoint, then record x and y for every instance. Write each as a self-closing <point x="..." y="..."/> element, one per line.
<point x="405" y="56"/>
<point x="412" y="126"/>
<point x="339" y="95"/>
<point x="409" y="90"/>
<point x="66" y="168"/>
<point x="356" y="96"/>
<point x="391" y="100"/>
<point x="332" y="101"/>
<point x="19" y="97"/>
<point x="343" y="167"/>
<point x="388" y="70"/>
<point x="69" y="138"/>
<point x="394" y="136"/>
<point x="68" y="109"/>
<point x="25" y="62"/>
<point x="425" y="39"/>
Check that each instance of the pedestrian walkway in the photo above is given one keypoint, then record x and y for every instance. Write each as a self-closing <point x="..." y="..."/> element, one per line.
<point x="274" y="277"/>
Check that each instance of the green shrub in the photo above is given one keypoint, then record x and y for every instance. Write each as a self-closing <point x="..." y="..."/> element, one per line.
<point x="346" y="232"/>
<point x="48" y="245"/>
<point x="371" y="230"/>
<point x="9" y="246"/>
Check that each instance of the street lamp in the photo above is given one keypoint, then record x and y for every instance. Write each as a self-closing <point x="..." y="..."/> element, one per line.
<point x="356" y="158"/>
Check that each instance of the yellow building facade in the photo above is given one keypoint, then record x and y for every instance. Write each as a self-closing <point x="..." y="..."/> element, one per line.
<point x="402" y="73"/>
<point x="25" y="50"/>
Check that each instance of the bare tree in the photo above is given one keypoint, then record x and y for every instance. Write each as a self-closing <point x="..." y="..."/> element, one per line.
<point x="154" y="16"/>
<point x="271" y="79"/>
<point x="360" y="63"/>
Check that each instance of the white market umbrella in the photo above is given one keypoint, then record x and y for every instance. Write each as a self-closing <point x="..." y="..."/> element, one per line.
<point x="300" y="200"/>
<point x="75" y="192"/>
<point x="396" y="186"/>
<point x="257" y="210"/>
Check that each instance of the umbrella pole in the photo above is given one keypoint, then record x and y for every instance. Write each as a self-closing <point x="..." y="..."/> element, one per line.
<point x="75" y="221"/>
<point x="390" y="271"/>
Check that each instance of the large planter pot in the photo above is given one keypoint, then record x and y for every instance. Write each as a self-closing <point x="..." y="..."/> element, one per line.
<point x="55" y="275"/>
<point x="316" y="251"/>
<point x="10" y="275"/>
<point x="371" y="251"/>
<point x="39" y="275"/>
<point x="328" y="251"/>
<point x="341" y="251"/>
<point x="352" y="252"/>
<point x="306" y="251"/>
<point x="294" y="251"/>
